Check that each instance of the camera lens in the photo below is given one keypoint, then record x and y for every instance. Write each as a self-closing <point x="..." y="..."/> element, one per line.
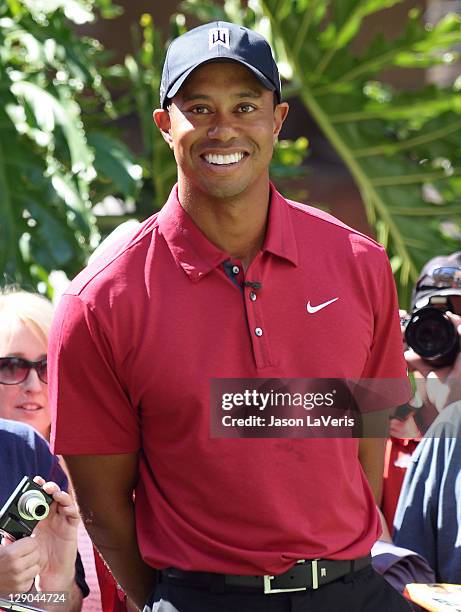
<point x="431" y="334"/>
<point x="32" y="505"/>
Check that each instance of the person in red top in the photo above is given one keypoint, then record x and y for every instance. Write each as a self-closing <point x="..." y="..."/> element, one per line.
<point x="229" y="281"/>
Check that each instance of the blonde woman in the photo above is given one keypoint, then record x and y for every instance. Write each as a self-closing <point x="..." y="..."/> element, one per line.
<point x="25" y="320"/>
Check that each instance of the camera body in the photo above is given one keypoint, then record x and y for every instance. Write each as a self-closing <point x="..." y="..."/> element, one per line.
<point x="26" y="506"/>
<point x="431" y="334"/>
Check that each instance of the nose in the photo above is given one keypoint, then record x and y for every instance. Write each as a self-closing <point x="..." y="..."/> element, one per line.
<point x="222" y="128"/>
<point x="32" y="383"/>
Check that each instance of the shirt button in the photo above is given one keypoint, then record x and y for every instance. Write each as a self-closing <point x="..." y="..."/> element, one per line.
<point x="253" y="296"/>
<point x="258" y="332"/>
<point x="235" y="269"/>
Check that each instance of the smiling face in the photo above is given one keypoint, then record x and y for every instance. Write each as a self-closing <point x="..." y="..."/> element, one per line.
<point x="27" y="401"/>
<point x="222" y="126"/>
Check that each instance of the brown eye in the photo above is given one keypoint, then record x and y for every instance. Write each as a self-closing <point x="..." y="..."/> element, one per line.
<point x="246" y="108"/>
<point x="200" y="110"/>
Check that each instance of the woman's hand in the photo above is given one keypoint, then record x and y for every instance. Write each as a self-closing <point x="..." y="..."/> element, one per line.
<point x="56" y="537"/>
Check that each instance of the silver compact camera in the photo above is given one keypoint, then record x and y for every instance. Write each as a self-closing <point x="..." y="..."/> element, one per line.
<point x="26" y="506"/>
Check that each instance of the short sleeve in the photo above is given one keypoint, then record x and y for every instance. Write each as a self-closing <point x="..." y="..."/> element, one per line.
<point x="384" y="382"/>
<point x="91" y="410"/>
<point x="386" y="358"/>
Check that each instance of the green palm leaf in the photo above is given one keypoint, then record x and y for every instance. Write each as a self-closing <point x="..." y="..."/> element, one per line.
<point x="48" y="75"/>
<point x="402" y="148"/>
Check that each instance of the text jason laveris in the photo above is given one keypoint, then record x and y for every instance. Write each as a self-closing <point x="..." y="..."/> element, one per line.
<point x="308" y="421"/>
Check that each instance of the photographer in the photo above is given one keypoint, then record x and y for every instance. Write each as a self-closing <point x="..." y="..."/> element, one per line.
<point x="47" y="560"/>
<point x="432" y="338"/>
<point x="430" y="332"/>
<point x="428" y="516"/>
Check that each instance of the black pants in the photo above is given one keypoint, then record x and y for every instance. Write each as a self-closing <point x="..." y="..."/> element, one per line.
<point x="362" y="591"/>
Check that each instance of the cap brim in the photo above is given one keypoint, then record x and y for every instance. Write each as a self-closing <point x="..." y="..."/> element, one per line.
<point x="424" y="296"/>
<point x="268" y="84"/>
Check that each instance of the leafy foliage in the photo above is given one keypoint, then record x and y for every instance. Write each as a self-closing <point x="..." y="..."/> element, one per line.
<point x="403" y="148"/>
<point x="60" y="154"/>
<point x="48" y="157"/>
<point x="140" y="77"/>
<point x="59" y="151"/>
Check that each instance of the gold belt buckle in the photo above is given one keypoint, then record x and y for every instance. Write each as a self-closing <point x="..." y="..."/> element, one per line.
<point x="267" y="581"/>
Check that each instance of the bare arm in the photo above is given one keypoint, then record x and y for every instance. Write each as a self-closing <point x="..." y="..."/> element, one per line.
<point x="371" y="456"/>
<point x="104" y="487"/>
<point x="73" y="602"/>
<point x="386" y="534"/>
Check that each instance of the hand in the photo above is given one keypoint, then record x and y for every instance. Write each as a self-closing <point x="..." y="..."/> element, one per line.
<point x="386" y="535"/>
<point x="56" y="538"/>
<point x="404" y="429"/>
<point x="403" y="314"/>
<point x="437" y="386"/>
<point x="19" y="564"/>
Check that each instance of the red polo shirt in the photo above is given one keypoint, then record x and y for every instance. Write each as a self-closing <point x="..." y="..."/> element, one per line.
<point x="142" y="331"/>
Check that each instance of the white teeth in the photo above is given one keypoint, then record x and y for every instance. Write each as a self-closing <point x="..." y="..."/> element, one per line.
<point x="221" y="160"/>
<point x="29" y="407"/>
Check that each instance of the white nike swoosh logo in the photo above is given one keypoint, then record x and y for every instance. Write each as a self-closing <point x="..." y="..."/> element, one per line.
<point x="313" y="309"/>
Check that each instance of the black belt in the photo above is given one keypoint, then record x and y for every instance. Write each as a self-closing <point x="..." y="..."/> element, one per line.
<point x="302" y="576"/>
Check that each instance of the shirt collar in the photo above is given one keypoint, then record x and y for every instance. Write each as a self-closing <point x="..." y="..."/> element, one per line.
<point x="280" y="236"/>
<point x="197" y="255"/>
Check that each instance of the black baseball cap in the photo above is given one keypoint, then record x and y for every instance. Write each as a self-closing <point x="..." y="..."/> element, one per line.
<point x="218" y="41"/>
<point x="439" y="276"/>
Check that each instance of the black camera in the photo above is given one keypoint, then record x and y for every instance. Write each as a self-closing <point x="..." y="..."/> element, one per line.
<point x="26" y="506"/>
<point x="431" y="334"/>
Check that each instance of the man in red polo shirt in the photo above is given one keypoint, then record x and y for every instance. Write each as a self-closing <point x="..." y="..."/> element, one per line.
<point x="229" y="281"/>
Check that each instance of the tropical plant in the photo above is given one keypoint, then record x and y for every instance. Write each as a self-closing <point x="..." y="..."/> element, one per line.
<point x="403" y="148"/>
<point x="138" y="80"/>
<point x="53" y="165"/>
<point x="60" y="153"/>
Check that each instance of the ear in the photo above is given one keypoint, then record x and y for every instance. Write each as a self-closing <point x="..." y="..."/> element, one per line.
<point x="163" y="122"/>
<point x="280" y="113"/>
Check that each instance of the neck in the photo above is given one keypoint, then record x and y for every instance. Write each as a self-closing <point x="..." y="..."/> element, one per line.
<point x="236" y="224"/>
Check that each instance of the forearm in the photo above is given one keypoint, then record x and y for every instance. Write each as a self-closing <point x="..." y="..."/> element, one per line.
<point x="69" y="597"/>
<point x="75" y="601"/>
<point x="115" y="538"/>
<point x="371" y="456"/>
<point x="104" y="486"/>
<point x="67" y="600"/>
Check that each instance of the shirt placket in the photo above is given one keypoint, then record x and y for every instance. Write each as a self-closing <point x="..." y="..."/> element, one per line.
<point x="253" y="297"/>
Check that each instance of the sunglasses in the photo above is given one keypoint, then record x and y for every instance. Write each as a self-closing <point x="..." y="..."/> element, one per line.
<point x="441" y="278"/>
<point x="15" y="370"/>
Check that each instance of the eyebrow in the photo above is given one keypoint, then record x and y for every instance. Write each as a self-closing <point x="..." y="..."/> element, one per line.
<point x="239" y="96"/>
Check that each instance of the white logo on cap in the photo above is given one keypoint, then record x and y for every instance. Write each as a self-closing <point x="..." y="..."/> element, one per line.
<point x="218" y="36"/>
